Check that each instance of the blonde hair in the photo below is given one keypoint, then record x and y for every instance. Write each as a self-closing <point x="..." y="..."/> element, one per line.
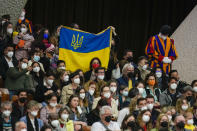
<point x="159" y="119"/>
<point x="179" y="103"/>
<point x="127" y="65"/>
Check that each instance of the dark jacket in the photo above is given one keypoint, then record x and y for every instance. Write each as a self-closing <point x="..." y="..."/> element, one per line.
<point x="180" y="86"/>
<point x="18" y="79"/>
<point x="13" y="121"/>
<point x="41" y="89"/>
<point x="166" y="99"/>
<point x="17" y="112"/>
<point x="87" y="75"/>
<point x="93" y="116"/>
<point x="4" y="66"/>
<point x="124" y="81"/>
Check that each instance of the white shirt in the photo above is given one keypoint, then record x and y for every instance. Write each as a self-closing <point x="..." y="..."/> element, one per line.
<point x="10" y="63"/>
<point x="97" y="126"/>
<point x="32" y="122"/>
<point x="122" y="114"/>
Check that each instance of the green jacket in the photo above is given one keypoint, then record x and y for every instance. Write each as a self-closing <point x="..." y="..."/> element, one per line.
<point x="17" y="79"/>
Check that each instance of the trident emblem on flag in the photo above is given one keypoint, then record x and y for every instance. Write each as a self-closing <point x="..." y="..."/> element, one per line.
<point x="76" y="43"/>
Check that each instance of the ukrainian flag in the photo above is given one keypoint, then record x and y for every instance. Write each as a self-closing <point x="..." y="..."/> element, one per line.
<point x="78" y="47"/>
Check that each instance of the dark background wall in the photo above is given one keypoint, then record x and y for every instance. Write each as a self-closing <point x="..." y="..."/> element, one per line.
<point x="135" y="20"/>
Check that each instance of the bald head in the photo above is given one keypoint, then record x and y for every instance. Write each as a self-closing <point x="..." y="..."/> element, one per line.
<point x="20" y="126"/>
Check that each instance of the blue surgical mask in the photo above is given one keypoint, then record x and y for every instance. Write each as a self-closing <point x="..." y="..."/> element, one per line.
<point x="36" y="58"/>
<point x="46" y="36"/>
<point x="125" y="93"/>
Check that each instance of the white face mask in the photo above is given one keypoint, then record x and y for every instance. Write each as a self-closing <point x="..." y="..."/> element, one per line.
<point x="22" y="13"/>
<point x="66" y="78"/>
<point x="10" y="54"/>
<point x="53" y="104"/>
<point x="36" y="69"/>
<point x="158" y="74"/>
<point x="7" y="113"/>
<point x="113" y="89"/>
<point x="82" y="95"/>
<point x="150" y="106"/>
<point x="184" y="107"/>
<point x="144" y="108"/>
<point x="55" y="123"/>
<point x="169" y="117"/>
<point x="146" y="118"/>
<point x="144" y="67"/>
<point x="23" y="129"/>
<point x="3" y="22"/>
<point x="91" y="92"/>
<point x="141" y="90"/>
<point x="62" y="67"/>
<point x="24" y="65"/>
<point x="23" y="30"/>
<point x="162" y="36"/>
<point x="173" y="86"/>
<point x="190" y="122"/>
<point x="125" y="93"/>
<point x="107" y="95"/>
<point x="64" y="117"/>
<point x="50" y="82"/>
<point x="77" y="81"/>
<point x="101" y="77"/>
<point x="9" y="30"/>
<point x="34" y="113"/>
<point x="195" y="88"/>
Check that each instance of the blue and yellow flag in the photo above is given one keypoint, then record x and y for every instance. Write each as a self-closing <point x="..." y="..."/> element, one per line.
<point x="77" y="48"/>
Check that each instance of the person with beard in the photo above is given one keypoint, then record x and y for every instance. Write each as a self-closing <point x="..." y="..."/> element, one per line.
<point x="105" y="124"/>
<point x="129" y="124"/>
<point x="20" y="106"/>
<point x="7" y="119"/>
<point x="162" y="122"/>
<point x="179" y="123"/>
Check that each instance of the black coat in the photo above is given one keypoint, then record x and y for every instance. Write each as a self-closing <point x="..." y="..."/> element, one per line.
<point x="16" y="112"/>
<point x="93" y="116"/>
<point x="13" y="121"/>
<point x="4" y="66"/>
<point x="41" y="89"/>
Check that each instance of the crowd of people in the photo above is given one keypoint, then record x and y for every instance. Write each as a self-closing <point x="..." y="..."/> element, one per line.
<point x="38" y="93"/>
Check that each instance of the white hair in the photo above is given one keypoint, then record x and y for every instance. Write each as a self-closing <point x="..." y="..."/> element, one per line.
<point x="104" y="108"/>
<point x="6" y="103"/>
<point x="126" y="66"/>
<point x="18" y="124"/>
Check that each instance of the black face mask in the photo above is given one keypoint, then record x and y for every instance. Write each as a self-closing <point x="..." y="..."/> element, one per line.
<point x="108" y="118"/>
<point x="131" y="124"/>
<point x="164" y="124"/>
<point x="189" y="98"/>
<point x="180" y="125"/>
<point x="130" y="59"/>
<point x="22" y="99"/>
<point x="130" y="75"/>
